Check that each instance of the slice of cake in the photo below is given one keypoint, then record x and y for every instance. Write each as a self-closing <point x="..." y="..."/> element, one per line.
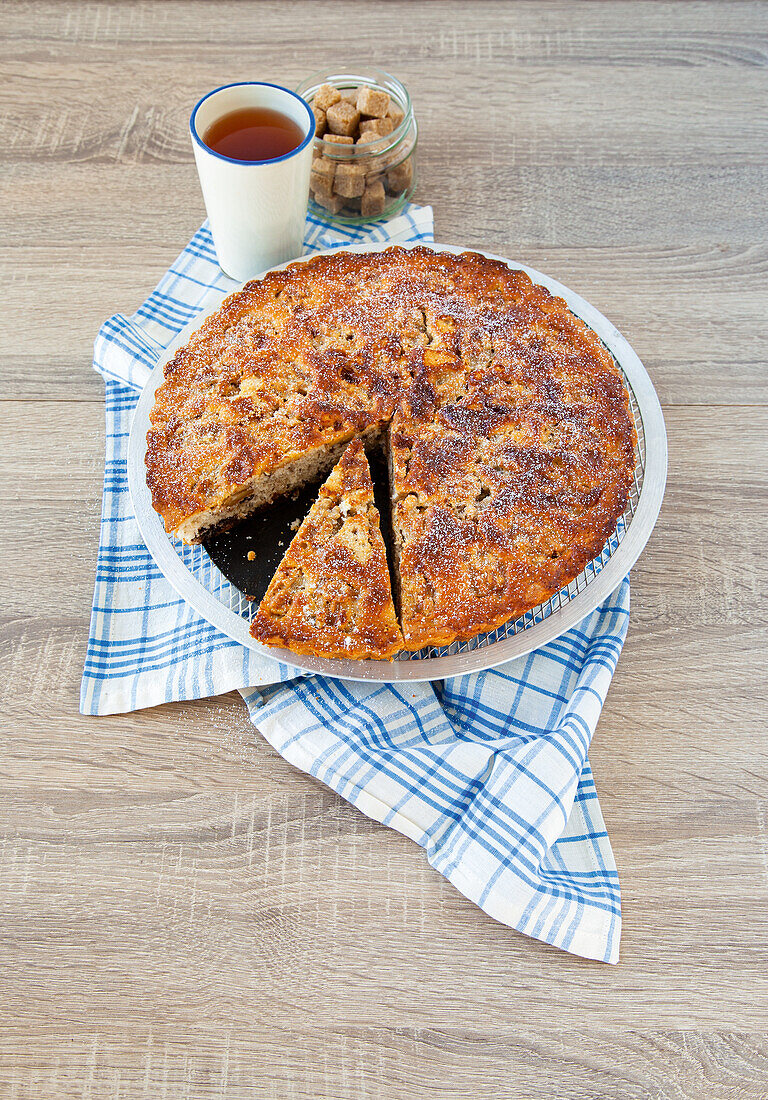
<point x="331" y="594"/>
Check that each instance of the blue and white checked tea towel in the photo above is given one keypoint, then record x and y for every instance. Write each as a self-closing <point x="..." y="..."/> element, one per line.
<point x="488" y="772"/>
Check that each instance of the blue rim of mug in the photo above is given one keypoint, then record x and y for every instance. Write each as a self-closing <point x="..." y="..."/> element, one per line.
<point x="249" y="84"/>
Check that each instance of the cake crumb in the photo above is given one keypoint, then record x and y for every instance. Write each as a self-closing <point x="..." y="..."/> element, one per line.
<point x="251" y="555"/>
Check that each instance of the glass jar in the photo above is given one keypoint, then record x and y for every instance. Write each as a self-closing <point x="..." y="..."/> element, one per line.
<point x="378" y="174"/>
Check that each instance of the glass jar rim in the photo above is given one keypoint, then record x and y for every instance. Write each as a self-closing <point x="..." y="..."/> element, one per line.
<point x="383" y="81"/>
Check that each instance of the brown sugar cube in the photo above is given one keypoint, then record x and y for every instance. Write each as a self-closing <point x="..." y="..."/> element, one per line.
<point x="328" y="199"/>
<point x="323" y="171"/>
<point x="332" y="203"/>
<point x="376" y="145"/>
<point x="320" y="122"/>
<point x="401" y="176"/>
<point x="396" y="115"/>
<point x="339" y="139"/>
<point x="349" y="180"/>
<point x="343" y="118"/>
<point x="325" y="97"/>
<point x="373" y="144"/>
<point x="350" y="94"/>
<point x="321" y="187"/>
<point x="372" y="102"/>
<point x="379" y="126"/>
<point x="368" y="137"/>
<point x="373" y="200"/>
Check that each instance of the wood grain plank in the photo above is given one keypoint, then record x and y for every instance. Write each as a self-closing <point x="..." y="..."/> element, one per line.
<point x="539" y="207"/>
<point x="525" y="33"/>
<point x="560" y="116"/>
<point x="716" y="465"/>
<point x="177" y="895"/>
<point x="358" y="1063"/>
<point x="668" y="287"/>
<point x="182" y="914"/>
<point x="678" y="706"/>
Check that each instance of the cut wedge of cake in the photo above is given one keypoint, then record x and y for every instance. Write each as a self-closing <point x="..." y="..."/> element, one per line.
<point x="331" y="594"/>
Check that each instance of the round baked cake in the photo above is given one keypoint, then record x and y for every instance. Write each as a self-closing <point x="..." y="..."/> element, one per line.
<point x="510" y="439"/>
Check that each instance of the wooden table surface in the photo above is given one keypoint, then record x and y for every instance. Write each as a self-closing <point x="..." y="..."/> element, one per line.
<point x="184" y="915"/>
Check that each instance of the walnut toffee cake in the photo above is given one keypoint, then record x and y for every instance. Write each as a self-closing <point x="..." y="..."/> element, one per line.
<point x="510" y="440"/>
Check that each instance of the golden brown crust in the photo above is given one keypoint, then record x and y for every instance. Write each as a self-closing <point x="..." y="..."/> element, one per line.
<point x="510" y="468"/>
<point x="331" y="595"/>
<point x="511" y="437"/>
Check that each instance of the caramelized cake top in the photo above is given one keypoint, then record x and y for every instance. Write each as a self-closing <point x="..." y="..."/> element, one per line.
<point x="511" y="438"/>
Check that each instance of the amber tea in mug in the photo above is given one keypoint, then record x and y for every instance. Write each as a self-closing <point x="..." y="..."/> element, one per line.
<point x="253" y="144"/>
<point x="253" y="133"/>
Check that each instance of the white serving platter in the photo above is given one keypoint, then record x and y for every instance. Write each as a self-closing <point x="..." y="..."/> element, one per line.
<point x="191" y="572"/>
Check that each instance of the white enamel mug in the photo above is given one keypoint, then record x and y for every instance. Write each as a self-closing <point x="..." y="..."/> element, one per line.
<point x="257" y="208"/>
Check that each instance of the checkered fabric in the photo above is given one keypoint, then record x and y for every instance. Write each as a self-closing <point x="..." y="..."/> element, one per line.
<point x="487" y="772"/>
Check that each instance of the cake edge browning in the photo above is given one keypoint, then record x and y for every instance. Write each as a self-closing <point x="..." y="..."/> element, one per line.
<point x="415" y="639"/>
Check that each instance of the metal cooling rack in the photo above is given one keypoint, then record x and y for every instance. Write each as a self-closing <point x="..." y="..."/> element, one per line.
<point x="192" y="573"/>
